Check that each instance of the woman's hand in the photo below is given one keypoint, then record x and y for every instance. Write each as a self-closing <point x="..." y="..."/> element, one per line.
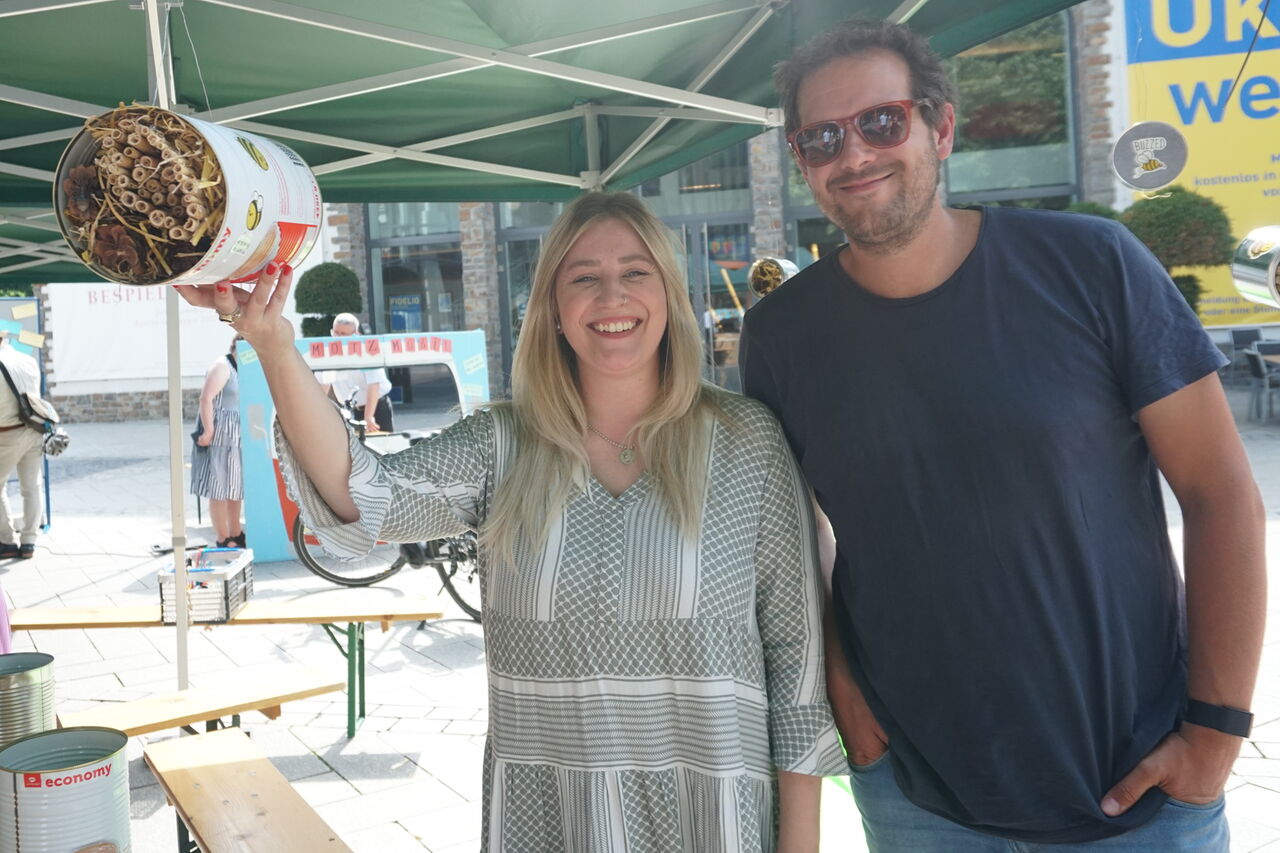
<point x="205" y="438"/>
<point x="258" y="313"/>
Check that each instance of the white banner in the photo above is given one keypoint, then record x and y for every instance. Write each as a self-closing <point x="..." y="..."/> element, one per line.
<point x="104" y="333"/>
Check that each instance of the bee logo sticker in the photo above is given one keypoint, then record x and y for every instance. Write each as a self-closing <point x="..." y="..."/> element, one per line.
<point x="1149" y="155"/>
<point x="1145" y="156"/>
<point x="252" y="151"/>
<point x="253" y="215"/>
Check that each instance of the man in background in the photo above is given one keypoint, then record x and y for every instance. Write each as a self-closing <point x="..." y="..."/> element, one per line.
<point x="21" y="447"/>
<point x="365" y="390"/>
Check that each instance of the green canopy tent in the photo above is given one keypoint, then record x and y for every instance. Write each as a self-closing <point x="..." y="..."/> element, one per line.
<point x="417" y="100"/>
<point x="422" y="100"/>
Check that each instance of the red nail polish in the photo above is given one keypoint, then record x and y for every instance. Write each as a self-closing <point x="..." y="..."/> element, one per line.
<point x="272" y="269"/>
<point x="222" y="288"/>
<point x="287" y="269"/>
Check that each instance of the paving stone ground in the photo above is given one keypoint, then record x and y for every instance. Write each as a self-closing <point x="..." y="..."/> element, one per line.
<point x="410" y="778"/>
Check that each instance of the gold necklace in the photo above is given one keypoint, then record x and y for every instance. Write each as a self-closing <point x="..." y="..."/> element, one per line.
<point x="626" y="452"/>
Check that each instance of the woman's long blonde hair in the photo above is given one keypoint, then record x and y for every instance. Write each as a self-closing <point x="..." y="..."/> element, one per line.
<point x="550" y="415"/>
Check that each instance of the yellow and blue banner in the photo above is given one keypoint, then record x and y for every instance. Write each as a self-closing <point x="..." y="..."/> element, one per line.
<point x="1183" y="56"/>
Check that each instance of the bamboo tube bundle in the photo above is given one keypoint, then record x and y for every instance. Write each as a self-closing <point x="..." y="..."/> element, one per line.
<point x="146" y="196"/>
<point x="128" y="194"/>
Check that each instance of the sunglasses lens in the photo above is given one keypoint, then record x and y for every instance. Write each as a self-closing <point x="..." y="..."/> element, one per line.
<point x="883" y="126"/>
<point x="819" y="144"/>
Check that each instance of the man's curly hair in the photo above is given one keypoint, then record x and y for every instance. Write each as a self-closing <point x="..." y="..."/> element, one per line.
<point x="929" y="80"/>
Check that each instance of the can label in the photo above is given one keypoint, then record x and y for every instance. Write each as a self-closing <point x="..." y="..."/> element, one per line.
<point x="36" y="780"/>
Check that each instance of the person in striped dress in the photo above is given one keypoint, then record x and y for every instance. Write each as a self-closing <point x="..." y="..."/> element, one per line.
<point x="215" y="460"/>
<point x="647" y="556"/>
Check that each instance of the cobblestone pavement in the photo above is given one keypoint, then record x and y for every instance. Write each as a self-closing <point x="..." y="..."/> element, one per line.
<point x="410" y="778"/>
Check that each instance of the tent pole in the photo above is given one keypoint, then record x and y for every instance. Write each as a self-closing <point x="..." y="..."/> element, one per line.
<point x="591" y="138"/>
<point x="162" y="84"/>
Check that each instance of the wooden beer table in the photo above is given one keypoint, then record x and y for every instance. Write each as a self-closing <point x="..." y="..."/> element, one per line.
<point x="329" y="610"/>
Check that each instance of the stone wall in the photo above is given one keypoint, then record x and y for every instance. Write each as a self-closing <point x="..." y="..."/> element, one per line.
<point x="767" y="235"/>
<point x="127" y="406"/>
<point x="1094" y="67"/>
<point x="480" y="283"/>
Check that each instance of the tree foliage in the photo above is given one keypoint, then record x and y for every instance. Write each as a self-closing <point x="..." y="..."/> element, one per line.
<point x="1189" y="287"/>
<point x="1182" y="228"/>
<point x="326" y="289"/>
<point x="1012" y="90"/>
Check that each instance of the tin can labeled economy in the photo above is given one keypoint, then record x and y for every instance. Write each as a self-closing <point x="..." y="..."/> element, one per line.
<point x="145" y="196"/>
<point x="65" y="790"/>
<point x="1255" y="268"/>
<point x="26" y="695"/>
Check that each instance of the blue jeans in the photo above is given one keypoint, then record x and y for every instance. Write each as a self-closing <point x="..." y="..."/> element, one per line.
<point x="894" y="824"/>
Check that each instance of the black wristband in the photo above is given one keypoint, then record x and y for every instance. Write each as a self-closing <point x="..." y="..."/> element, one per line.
<point x="1231" y="721"/>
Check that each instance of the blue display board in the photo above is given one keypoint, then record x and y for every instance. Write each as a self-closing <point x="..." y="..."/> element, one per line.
<point x="268" y="512"/>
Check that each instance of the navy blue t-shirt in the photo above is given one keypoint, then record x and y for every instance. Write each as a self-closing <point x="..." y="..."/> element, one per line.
<point x="1005" y="588"/>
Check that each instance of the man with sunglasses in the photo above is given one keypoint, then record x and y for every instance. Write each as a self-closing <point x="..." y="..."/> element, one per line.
<point x="982" y="400"/>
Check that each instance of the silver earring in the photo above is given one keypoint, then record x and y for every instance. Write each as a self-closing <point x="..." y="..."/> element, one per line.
<point x="557" y="326"/>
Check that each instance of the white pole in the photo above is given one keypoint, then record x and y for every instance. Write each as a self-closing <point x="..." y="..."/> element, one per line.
<point x="162" y="82"/>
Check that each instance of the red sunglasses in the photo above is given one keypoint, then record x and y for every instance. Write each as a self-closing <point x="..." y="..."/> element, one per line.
<point x="882" y="126"/>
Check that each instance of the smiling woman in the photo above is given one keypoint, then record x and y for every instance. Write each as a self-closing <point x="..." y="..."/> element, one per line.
<point x="646" y="555"/>
<point x="612" y="304"/>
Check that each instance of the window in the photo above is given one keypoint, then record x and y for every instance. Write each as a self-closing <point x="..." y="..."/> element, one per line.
<point x="724" y="170"/>
<point x="391" y="220"/>
<point x="1014" y="117"/>
<point x="421" y="287"/>
<point x="649" y="188"/>
<point x="521" y="256"/>
<point x="529" y="214"/>
<point x="814" y="239"/>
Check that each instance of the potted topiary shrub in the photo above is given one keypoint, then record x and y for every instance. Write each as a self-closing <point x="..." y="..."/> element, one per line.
<point x="326" y="290"/>
<point x="1183" y="229"/>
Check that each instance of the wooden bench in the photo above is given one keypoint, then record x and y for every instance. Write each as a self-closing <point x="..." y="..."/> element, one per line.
<point x="327" y="609"/>
<point x="230" y="798"/>
<point x="209" y="704"/>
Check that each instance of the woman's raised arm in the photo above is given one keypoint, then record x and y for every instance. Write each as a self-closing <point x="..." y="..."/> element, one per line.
<point x="309" y="421"/>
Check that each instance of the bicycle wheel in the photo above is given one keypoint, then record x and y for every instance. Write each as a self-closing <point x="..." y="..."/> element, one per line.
<point x="459" y="571"/>
<point x="379" y="564"/>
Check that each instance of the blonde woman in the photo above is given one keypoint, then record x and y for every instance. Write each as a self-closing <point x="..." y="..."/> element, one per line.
<point x="650" y="589"/>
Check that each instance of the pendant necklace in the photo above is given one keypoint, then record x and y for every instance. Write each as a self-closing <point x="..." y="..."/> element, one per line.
<point x="626" y="452"/>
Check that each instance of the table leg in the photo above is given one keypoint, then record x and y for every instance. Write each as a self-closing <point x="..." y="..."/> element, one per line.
<point x="354" y="653"/>
<point x="185" y="842"/>
<point x="360" y="628"/>
<point x="353" y="676"/>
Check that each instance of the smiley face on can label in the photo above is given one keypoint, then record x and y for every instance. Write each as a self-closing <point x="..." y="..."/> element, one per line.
<point x="253" y="215"/>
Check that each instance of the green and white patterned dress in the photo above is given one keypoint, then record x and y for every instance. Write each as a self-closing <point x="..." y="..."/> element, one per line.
<point x="643" y="687"/>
